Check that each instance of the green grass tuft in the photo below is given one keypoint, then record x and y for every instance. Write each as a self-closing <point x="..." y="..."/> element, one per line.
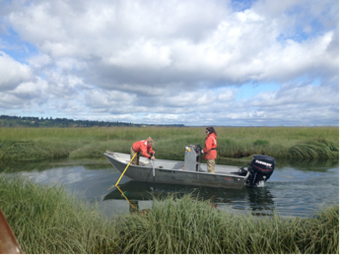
<point x="314" y="149"/>
<point x="48" y="220"/>
<point x="188" y="225"/>
<point x="261" y="142"/>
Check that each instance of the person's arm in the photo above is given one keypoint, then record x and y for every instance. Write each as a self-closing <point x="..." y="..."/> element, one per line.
<point x="208" y="145"/>
<point x="145" y="154"/>
<point x="151" y="151"/>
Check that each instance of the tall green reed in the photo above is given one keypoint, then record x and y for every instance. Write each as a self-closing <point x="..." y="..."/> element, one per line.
<point x="48" y="220"/>
<point x="314" y="149"/>
<point x="188" y="225"/>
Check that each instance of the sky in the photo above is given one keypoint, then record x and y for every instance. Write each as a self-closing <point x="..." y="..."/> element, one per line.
<point x="191" y="62"/>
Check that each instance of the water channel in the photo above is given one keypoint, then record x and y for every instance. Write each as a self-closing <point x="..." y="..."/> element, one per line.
<point x="294" y="189"/>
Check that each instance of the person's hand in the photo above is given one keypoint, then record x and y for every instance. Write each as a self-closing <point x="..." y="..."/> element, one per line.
<point x="153" y="158"/>
<point x="202" y="152"/>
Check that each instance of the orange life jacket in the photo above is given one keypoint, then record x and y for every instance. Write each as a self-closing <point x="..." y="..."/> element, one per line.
<point x="141" y="146"/>
<point x="210" y="147"/>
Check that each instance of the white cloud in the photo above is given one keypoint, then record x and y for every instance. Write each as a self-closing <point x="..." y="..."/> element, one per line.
<point x="108" y="99"/>
<point x="29" y="90"/>
<point x="146" y="54"/>
<point x="39" y="61"/>
<point x="166" y="60"/>
<point x="12" y="72"/>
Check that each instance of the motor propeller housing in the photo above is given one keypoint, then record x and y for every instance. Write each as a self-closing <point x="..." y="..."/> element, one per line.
<point x="261" y="168"/>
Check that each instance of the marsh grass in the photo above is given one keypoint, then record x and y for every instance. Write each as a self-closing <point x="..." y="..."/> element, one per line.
<point x="49" y="220"/>
<point x="188" y="225"/>
<point x="38" y="149"/>
<point x="314" y="149"/>
<point x="278" y="142"/>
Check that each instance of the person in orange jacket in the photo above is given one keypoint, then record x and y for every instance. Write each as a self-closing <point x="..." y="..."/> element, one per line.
<point x="209" y="151"/>
<point x="144" y="146"/>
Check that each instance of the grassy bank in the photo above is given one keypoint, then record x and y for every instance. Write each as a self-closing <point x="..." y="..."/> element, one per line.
<point x="47" y="220"/>
<point x="192" y="226"/>
<point x="233" y="142"/>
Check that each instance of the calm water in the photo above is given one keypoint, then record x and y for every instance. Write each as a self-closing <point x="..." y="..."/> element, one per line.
<point x="294" y="189"/>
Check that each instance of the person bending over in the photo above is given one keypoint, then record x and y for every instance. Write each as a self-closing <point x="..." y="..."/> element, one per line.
<point x="144" y="146"/>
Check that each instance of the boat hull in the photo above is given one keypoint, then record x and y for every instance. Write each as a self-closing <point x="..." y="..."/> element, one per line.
<point x="178" y="176"/>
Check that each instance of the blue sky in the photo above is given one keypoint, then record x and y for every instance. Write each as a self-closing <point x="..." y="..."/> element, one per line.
<point x="192" y="62"/>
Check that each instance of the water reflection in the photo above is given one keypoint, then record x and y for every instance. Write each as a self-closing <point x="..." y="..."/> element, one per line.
<point x="253" y="199"/>
<point x="40" y="166"/>
<point x="321" y="165"/>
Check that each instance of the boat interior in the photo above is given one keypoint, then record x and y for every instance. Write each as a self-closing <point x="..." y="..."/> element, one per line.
<point x="171" y="164"/>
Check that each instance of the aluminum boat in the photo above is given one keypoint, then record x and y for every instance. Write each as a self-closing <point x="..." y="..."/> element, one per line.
<point x="192" y="172"/>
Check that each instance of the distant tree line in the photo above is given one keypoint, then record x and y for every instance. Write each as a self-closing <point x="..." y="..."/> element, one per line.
<point x="17" y="121"/>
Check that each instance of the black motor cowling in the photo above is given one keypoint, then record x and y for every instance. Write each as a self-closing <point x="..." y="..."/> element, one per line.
<point x="261" y="168"/>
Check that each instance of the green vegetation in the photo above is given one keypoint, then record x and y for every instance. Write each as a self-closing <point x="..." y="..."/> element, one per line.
<point x="319" y="148"/>
<point x="192" y="226"/>
<point x="47" y="220"/>
<point x="22" y="144"/>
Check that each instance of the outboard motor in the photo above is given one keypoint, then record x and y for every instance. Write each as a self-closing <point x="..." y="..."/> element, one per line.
<point x="261" y="168"/>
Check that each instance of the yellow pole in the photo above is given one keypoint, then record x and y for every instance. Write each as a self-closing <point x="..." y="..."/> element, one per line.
<point x="125" y="197"/>
<point x="124" y="171"/>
